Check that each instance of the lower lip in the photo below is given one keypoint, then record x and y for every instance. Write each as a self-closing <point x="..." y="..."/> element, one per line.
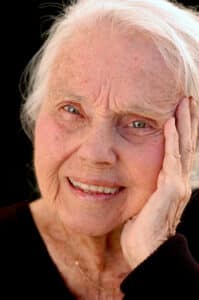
<point x="92" y="195"/>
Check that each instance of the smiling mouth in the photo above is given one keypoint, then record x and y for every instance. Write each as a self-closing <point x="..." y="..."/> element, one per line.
<point x="94" y="189"/>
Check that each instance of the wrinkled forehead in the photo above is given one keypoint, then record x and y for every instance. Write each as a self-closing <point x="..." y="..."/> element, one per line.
<point x="125" y="67"/>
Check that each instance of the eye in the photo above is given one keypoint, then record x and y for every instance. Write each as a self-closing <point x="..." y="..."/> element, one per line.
<point x="138" y="124"/>
<point x="71" y="109"/>
<point x="135" y="128"/>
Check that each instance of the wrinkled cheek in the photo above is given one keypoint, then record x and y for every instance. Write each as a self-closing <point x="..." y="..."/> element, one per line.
<point x="143" y="170"/>
<point x="146" y="163"/>
<point x="153" y="160"/>
<point x="47" y="141"/>
<point x="157" y="154"/>
<point x="47" y="156"/>
<point x="53" y="147"/>
<point x="55" y="141"/>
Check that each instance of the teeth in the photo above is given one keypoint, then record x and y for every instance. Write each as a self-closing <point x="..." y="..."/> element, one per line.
<point x="94" y="188"/>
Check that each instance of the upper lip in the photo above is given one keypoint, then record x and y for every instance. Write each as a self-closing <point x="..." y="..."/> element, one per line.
<point x="97" y="182"/>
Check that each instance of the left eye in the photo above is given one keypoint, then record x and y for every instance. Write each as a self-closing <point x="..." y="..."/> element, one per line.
<point x="138" y="124"/>
<point x="71" y="109"/>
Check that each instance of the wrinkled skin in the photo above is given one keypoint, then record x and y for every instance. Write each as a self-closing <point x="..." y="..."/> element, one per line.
<point x="160" y="216"/>
<point x="93" y="138"/>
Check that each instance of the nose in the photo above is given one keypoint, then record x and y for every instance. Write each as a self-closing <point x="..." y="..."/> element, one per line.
<point x="98" y="147"/>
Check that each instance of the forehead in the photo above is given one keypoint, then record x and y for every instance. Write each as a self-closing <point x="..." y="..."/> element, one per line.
<point x="106" y="62"/>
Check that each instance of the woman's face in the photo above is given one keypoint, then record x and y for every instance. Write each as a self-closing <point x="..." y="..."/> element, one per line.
<point x="99" y="141"/>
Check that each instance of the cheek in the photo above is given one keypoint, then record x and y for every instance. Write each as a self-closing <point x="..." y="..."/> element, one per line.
<point x="143" y="164"/>
<point x="145" y="161"/>
<point x="47" y="143"/>
<point x="52" y="147"/>
<point x="53" y="144"/>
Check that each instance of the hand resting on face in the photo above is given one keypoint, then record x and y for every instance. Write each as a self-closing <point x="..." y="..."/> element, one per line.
<point x="158" y="219"/>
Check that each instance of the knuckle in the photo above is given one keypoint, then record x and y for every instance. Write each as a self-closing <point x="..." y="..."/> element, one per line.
<point x="174" y="155"/>
<point x="184" y="191"/>
<point x="188" y="191"/>
<point x="181" y="191"/>
<point x="189" y="148"/>
<point x="180" y="188"/>
<point x="177" y="188"/>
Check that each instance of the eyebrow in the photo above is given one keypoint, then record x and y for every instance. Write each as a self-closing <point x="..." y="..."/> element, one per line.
<point x="146" y="110"/>
<point x="74" y="96"/>
<point x="134" y="109"/>
<point x="153" y="113"/>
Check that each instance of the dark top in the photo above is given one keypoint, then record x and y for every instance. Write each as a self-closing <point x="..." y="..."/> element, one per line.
<point x="27" y="271"/>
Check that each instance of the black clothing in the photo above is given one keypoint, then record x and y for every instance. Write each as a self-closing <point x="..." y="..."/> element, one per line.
<point x="27" y="271"/>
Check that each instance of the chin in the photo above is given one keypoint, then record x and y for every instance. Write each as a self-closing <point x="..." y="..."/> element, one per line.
<point x="88" y="226"/>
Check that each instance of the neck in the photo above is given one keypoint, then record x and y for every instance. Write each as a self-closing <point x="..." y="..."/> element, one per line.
<point x="100" y="252"/>
<point x="95" y="255"/>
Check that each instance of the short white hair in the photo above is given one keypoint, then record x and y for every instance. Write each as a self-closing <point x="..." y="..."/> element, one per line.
<point x="173" y="28"/>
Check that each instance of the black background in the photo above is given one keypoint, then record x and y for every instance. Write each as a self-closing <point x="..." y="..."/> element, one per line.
<point x="23" y="25"/>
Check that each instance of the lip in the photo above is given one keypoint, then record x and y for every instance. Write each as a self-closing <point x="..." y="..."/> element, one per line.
<point x="105" y="183"/>
<point x="93" y="196"/>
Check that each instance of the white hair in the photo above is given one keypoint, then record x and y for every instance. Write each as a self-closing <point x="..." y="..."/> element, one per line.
<point x="173" y="28"/>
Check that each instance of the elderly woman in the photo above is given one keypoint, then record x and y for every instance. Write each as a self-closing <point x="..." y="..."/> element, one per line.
<point x="112" y="110"/>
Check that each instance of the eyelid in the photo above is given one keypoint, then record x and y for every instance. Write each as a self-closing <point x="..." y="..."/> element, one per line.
<point x="71" y="105"/>
<point x="76" y="106"/>
<point x="148" y="121"/>
<point x="141" y="121"/>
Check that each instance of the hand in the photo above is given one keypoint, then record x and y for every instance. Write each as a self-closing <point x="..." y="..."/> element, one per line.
<point x="160" y="216"/>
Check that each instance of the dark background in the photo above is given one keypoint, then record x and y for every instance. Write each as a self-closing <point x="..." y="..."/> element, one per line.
<point x="23" y="25"/>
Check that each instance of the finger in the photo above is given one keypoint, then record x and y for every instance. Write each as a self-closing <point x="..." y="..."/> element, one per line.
<point x="194" y="111"/>
<point x="185" y="134"/>
<point x="172" y="159"/>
